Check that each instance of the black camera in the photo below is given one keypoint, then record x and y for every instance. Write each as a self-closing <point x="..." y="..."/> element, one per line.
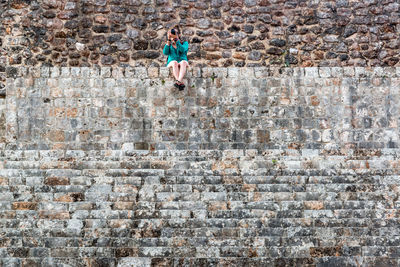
<point x="173" y="31"/>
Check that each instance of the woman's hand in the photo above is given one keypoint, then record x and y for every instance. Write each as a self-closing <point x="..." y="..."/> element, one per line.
<point x="172" y="38"/>
<point x="168" y="37"/>
<point x="168" y="41"/>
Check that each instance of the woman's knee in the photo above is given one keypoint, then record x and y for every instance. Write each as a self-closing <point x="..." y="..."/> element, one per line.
<point x="183" y="64"/>
<point x="173" y="64"/>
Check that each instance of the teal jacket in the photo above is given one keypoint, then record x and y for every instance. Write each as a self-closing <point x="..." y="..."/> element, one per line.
<point x="179" y="53"/>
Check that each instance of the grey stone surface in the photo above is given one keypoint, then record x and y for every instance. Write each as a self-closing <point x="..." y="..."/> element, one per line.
<point x="245" y="167"/>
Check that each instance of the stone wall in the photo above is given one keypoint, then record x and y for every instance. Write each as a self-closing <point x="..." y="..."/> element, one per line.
<point x="257" y="108"/>
<point x="221" y="32"/>
<point x="224" y="33"/>
<point x="246" y="167"/>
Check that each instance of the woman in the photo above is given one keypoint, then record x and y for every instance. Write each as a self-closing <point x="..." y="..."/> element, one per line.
<point x="176" y="50"/>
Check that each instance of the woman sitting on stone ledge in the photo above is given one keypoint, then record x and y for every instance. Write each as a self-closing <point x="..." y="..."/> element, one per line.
<point x="176" y="50"/>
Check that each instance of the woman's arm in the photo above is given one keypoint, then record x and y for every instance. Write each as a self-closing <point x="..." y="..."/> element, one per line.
<point x="182" y="48"/>
<point x="166" y="50"/>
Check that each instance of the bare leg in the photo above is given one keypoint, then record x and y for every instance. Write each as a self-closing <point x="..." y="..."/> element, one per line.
<point x="182" y="71"/>
<point x="175" y="70"/>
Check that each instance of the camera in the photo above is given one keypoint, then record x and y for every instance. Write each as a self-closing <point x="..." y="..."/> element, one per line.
<point x="171" y="38"/>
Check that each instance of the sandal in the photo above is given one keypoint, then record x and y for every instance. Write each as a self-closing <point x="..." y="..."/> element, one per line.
<point x="179" y="85"/>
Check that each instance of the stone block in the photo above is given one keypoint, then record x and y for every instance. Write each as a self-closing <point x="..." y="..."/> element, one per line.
<point x="233" y="72"/>
<point x="337" y="72"/>
<point x="65" y="72"/>
<point x="105" y="72"/>
<point x="94" y="72"/>
<point x="75" y="72"/>
<point x="117" y="73"/>
<point x="44" y="72"/>
<point x="153" y="72"/>
<point x="311" y="72"/>
<point x="324" y="72"/>
<point x="261" y="72"/>
<point x="348" y="71"/>
<point x="141" y="73"/>
<point x="55" y="72"/>
<point x="164" y="72"/>
<point x="197" y="72"/>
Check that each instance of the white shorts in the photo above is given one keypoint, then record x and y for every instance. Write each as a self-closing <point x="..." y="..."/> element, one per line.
<point x="170" y="64"/>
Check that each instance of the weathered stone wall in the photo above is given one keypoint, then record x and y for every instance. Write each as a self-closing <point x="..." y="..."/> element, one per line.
<point x="221" y="32"/>
<point x="247" y="167"/>
<point x="225" y="33"/>
<point x="313" y="108"/>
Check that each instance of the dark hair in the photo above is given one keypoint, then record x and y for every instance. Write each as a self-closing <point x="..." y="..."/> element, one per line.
<point x="177" y="28"/>
<point x="179" y="31"/>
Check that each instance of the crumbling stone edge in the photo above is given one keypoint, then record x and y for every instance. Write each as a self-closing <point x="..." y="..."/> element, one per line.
<point x="212" y="72"/>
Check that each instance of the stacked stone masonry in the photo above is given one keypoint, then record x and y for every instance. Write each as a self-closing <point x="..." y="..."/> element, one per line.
<point x="245" y="167"/>
<point x="221" y="33"/>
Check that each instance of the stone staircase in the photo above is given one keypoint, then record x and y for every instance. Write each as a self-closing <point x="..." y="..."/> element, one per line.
<point x="206" y="207"/>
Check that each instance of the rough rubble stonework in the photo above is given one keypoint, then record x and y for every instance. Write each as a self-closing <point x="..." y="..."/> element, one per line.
<point x="221" y="32"/>
<point x="247" y="167"/>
